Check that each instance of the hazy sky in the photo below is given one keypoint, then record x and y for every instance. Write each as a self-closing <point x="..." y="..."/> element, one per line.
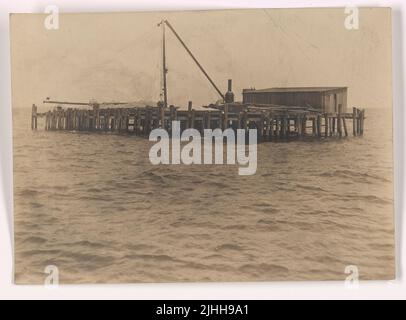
<point x="117" y="56"/>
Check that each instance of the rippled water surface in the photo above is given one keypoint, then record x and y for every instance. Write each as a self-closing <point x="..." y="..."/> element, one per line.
<point x="94" y="206"/>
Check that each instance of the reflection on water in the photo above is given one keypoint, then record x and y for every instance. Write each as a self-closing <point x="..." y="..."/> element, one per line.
<point x="94" y="206"/>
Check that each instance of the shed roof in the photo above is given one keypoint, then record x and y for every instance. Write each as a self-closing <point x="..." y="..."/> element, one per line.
<point x="294" y="89"/>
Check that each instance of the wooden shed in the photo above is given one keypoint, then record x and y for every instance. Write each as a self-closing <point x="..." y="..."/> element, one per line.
<point x="326" y="99"/>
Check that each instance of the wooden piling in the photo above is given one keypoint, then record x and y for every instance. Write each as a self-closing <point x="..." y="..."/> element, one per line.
<point x="319" y="118"/>
<point x="362" y="117"/>
<point x="239" y="124"/>
<point x="339" y="128"/>
<point x="189" y="117"/>
<point x="268" y="126"/>
<point x="314" y="125"/>
<point x="162" y="117"/>
<point x="277" y="127"/>
<point x="358" y="122"/>
<point x="34" y="117"/>
<point x="193" y="119"/>
<point x="225" y="117"/>
<point x="261" y="127"/>
<point x="345" y="127"/>
<point x="304" y="125"/>
<point x="299" y="126"/>
<point x="245" y="120"/>
<point x="271" y="123"/>
<point x="283" y="127"/>
<point x="138" y="122"/>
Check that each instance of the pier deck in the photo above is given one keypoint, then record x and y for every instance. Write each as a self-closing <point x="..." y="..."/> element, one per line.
<point x="273" y="123"/>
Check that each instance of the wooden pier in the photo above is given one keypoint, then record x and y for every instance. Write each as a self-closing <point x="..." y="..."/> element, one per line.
<point x="311" y="117"/>
<point x="274" y="123"/>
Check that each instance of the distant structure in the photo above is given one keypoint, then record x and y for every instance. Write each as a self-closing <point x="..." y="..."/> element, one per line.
<point x="324" y="99"/>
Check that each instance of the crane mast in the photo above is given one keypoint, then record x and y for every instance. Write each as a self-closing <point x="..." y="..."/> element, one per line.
<point x="166" y="22"/>
<point x="164" y="69"/>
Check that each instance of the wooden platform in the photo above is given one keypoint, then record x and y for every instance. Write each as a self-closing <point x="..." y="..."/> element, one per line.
<point x="273" y="123"/>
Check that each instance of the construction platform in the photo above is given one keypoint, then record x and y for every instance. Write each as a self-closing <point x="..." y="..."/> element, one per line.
<point x="273" y="123"/>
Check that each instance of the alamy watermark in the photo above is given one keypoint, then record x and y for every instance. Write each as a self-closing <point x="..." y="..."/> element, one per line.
<point x="199" y="150"/>
<point x="351" y="21"/>
<point x="52" y="276"/>
<point x="352" y="280"/>
<point x="51" y="21"/>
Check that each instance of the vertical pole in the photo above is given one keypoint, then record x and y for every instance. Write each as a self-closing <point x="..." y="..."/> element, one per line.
<point x="137" y="128"/>
<point x="330" y="123"/>
<point x="299" y="121"/>
<point x="175" y="114"/>
<point x="171" y="117"/>
<point x="261" y="127"/>
<point x="245" y="120"/>
<point x="147" y="122"/>
<point x="117" y="121"/>
<point x="268" y="126"/>
<point x="34" y="117"/>
<point x="314" y="133"/>
<point x="284" y="127"/>
<point x="162" y="116"/>
<point x="345" y="127"/>
<point x="71" y="119"/>
<point x="80" y="120"/>
<point x="354" y="121"/>
<point x="358" y="122"/>
<point x="60" y="120"/>
<point x="277" y="127"/>
<point x="204" y="121"/>
<point x="52" y="120"/>
<point x="319" y="126"/>
<point x="164" y="65"/>
<point x="304" y="124"/>
<point x="225" y="124"/>
<point x="339" y="129"/>
<point x="189" y="115"/>
<point x="193" y="119"/>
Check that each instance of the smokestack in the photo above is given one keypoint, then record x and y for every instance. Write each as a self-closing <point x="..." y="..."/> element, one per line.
<point x="229" y="96"/>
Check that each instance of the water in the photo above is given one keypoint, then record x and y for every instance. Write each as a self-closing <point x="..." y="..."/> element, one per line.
<point x="94" y="206"/>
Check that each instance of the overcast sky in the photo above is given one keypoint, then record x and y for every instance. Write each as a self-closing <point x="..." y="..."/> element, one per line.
<point x="117" y="56"/>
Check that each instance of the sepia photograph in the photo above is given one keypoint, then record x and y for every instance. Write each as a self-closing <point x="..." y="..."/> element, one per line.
<point x="246" y="145"/>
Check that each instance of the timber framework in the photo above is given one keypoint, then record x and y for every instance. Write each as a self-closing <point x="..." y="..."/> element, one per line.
<point x="278" y="114"/>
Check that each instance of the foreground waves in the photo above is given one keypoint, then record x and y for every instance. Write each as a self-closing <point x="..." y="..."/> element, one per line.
<point x="94" y="206"/>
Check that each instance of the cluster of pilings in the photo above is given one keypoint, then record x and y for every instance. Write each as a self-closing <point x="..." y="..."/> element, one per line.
<point x="281" y="123"/>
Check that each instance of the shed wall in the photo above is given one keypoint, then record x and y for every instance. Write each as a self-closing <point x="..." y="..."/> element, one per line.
<point x="329" y="101"/>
